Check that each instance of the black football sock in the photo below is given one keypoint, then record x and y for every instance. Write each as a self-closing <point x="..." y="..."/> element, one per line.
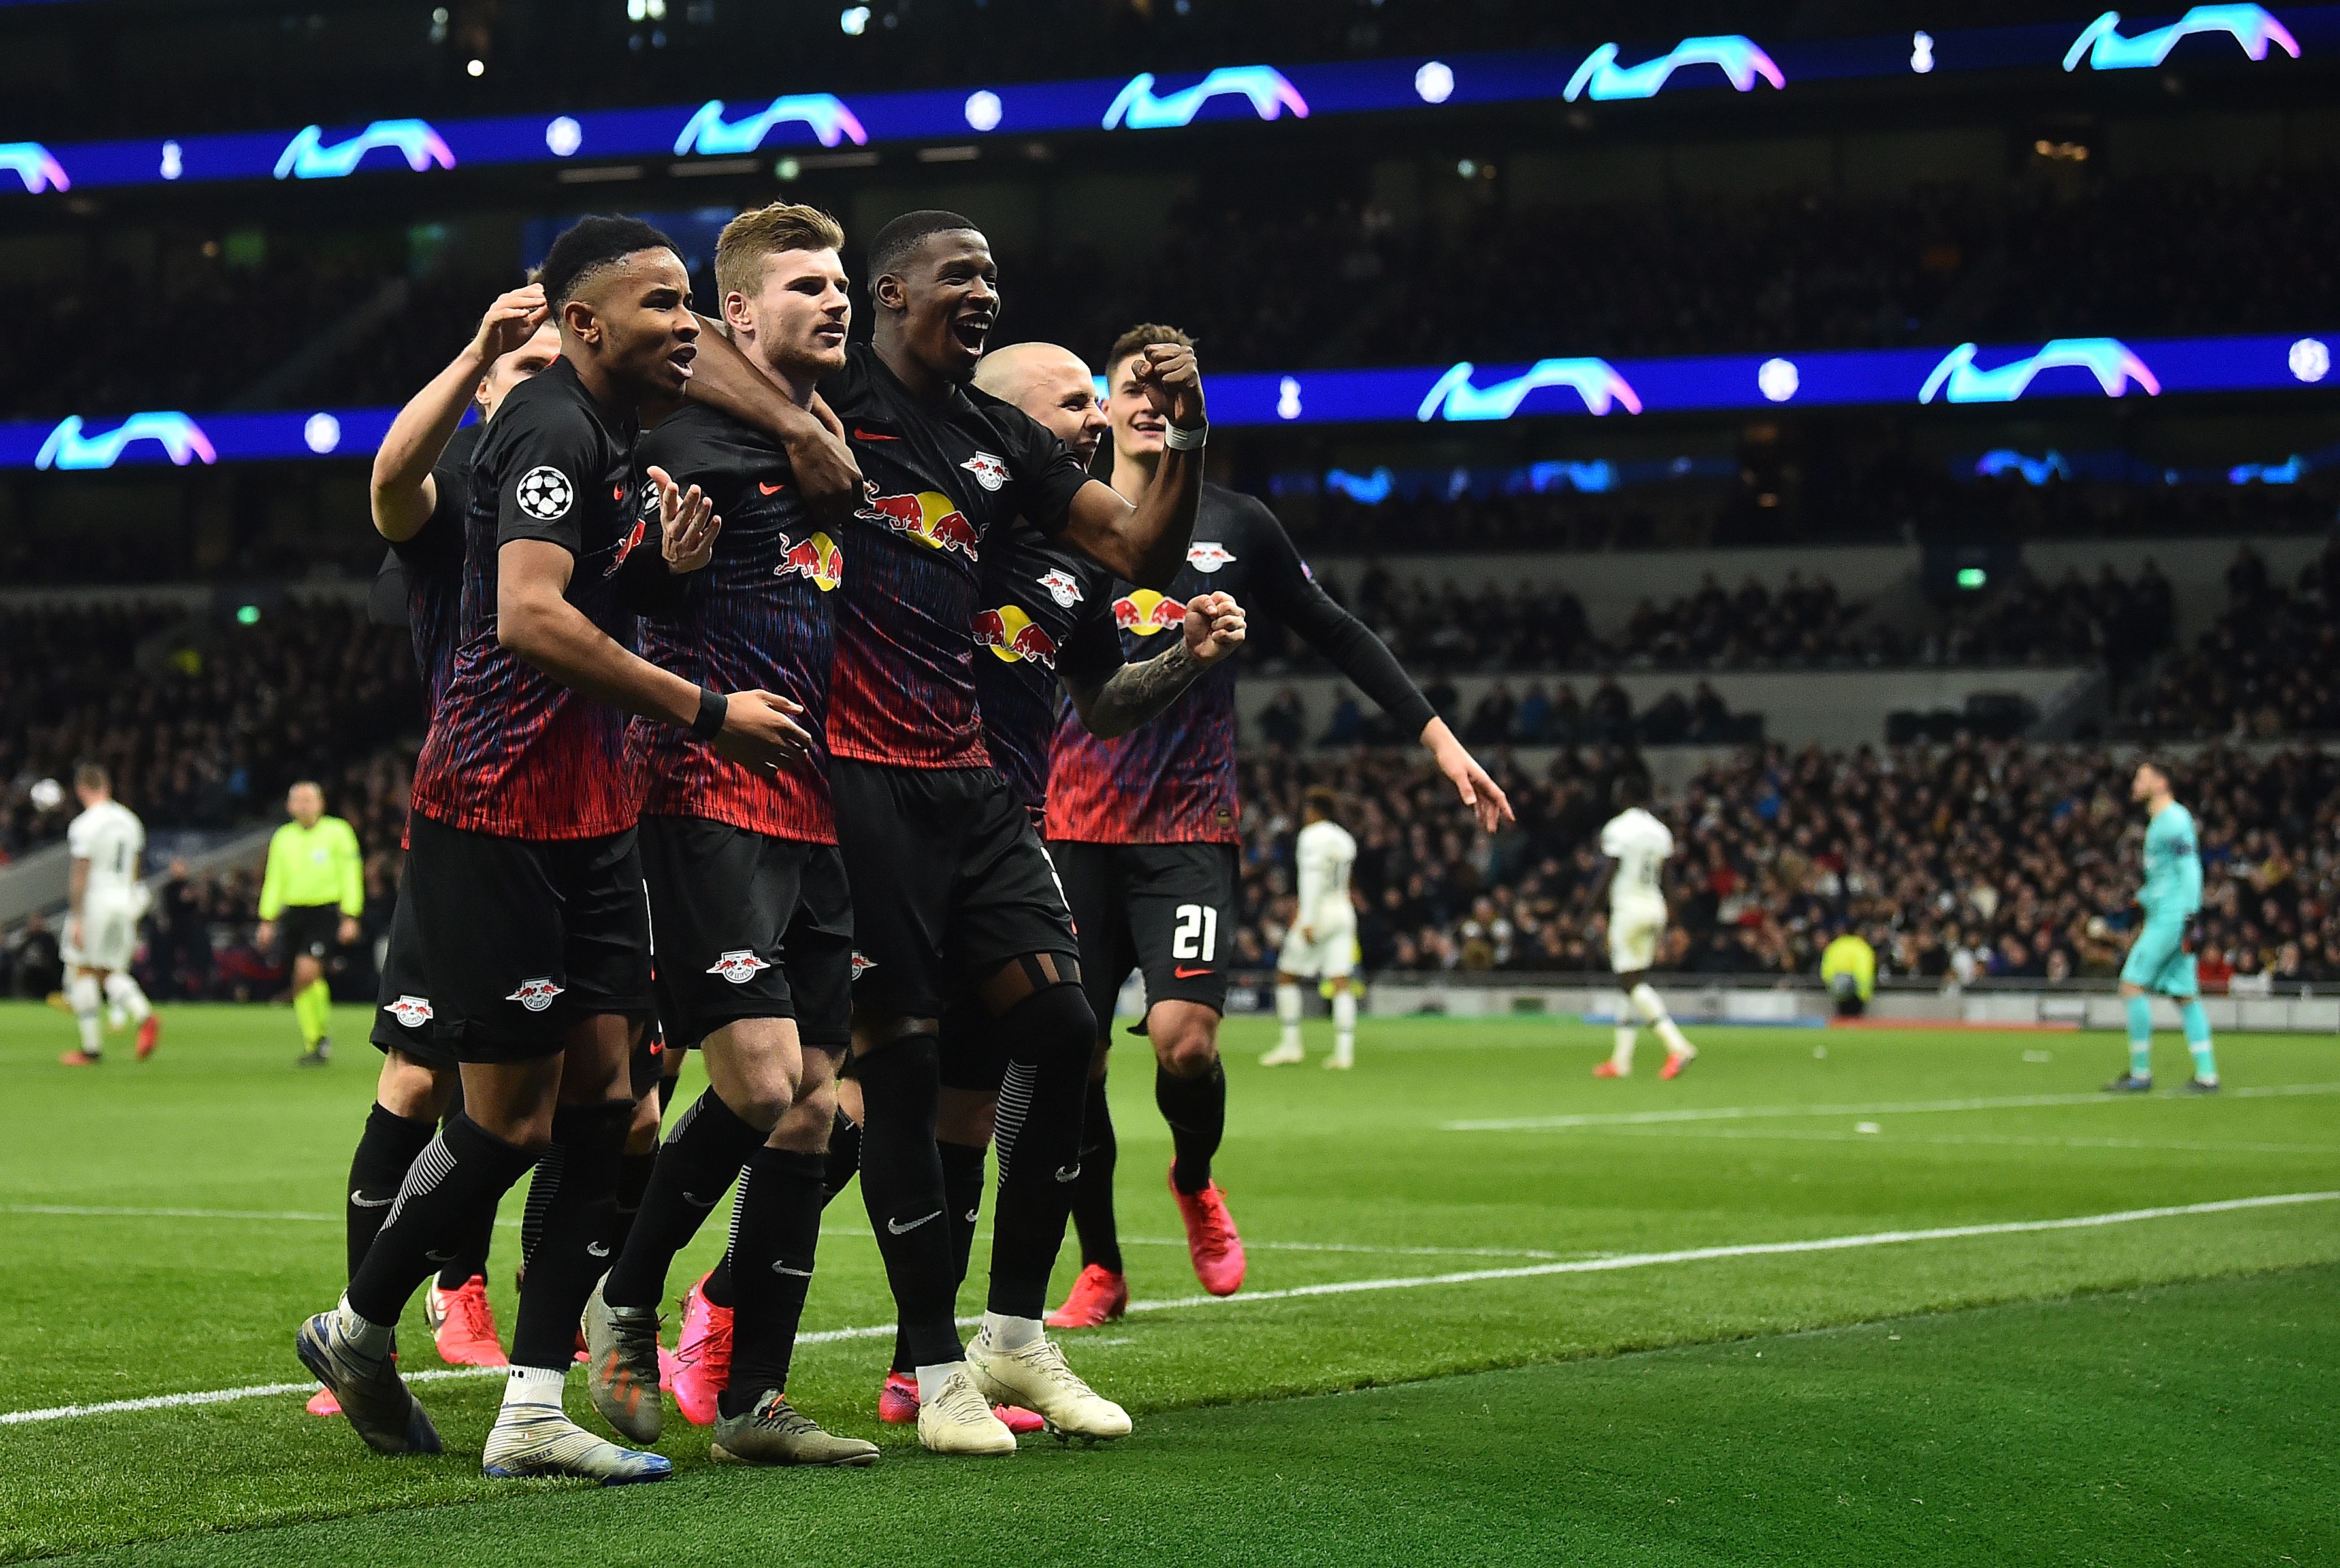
<point x="580" y="1214"/>
<point x="962" y="1200"/>
<point x="902" y="1186"/>
<point x="1053" y="1036"/>
<point x="473" y="1258"/>
<point x="717" y="1286"/>
<point x="843" y="1157"/>
<point x="633" y="1185"/>
<point x="1196" y="1110"/>
<point x="388" y="1146"/>
<point x="775" y="1230"/>
<point x="461" y="1172"/>
<point x="1093" y="1220"/>
<point x="694" y="1169"/>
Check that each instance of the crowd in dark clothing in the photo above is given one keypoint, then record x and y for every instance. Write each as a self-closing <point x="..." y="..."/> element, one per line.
<point x="2269" y="668"/>
<point x="200" y="724"/>
<point x="1961" y="863"/>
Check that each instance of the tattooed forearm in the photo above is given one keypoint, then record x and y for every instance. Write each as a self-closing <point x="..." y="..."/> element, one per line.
<point x="1136" y="693"/>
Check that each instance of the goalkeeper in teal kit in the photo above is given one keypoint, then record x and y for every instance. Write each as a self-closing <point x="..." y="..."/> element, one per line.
<point x="2161" y="959"/>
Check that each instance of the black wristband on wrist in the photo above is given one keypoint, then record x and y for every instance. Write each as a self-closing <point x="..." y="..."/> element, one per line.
<point x="712" y="706"/>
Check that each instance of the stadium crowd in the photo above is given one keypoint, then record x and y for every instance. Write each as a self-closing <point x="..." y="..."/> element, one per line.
<point x="1970" y="861"/>
<point x="2267" y="670"/>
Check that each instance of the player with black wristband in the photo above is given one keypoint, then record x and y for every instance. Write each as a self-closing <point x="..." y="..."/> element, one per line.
<point x="1144" y="831"/>
<point x="523" y="870"/>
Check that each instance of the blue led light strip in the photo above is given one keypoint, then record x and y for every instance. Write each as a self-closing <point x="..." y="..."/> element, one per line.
<point x="1461" y="393"/>
<point x="2208" y="36"/>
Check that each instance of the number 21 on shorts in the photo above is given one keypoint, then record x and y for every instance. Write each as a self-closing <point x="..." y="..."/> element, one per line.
<point x="1196" y="934"/>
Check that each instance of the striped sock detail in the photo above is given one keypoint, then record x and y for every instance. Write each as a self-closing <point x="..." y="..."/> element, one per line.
<point x="1015" y="1105"/>
<point x="542" y="1191"/>
<point x="435" y="1164"/>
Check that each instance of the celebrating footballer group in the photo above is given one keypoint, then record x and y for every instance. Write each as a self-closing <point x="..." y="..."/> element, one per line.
<point x="790" y="649"/>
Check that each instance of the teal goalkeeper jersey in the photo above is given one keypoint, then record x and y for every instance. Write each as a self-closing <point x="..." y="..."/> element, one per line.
<point x="2173" y="865"/>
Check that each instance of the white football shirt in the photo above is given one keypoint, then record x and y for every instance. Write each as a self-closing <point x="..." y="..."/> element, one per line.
<point x="1640" y="844"/>
<point x="110" y="837"/>
<point x="1326" y="854"/>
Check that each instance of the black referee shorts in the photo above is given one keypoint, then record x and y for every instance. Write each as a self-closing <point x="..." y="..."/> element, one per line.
<point x="308" y="931"/>
<point x="520" y="937"/>
<point x="747" y="927"/>
<point x="1164" y="909"/>
<point x="949" y="882"/>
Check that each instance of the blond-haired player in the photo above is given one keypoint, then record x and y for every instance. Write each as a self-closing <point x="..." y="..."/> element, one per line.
<point x="108" y="900"/>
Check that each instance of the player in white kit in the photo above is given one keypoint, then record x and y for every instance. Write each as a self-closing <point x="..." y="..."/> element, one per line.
<point x="1638" y="846"/>
<point x="1323" y="942"/>
<point x="108" y="900"/>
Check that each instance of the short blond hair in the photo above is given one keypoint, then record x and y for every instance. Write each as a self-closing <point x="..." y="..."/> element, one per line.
<point x="755" y="236"/>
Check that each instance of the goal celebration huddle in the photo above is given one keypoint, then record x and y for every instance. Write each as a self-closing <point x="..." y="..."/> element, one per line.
<point x="814" y="704"/>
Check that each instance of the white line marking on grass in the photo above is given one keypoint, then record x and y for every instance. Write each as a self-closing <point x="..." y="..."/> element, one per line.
<point x="1336" y="1287"/>
<point x="1251" y="1245"/>
<point x="1990" y="1139"/>
<point x="1882" y="1108"/>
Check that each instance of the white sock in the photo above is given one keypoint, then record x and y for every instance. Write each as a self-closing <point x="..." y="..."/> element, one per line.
<point x="369" y="1337"/>
<point x="932" y="1378"/>
<point x="1287" y="1010"/>
<point x="80" y="995"/>
<point x="1002" y="1333"/>
<point x="1621" y="1055"/>
<point x="1653" y="1009"/>
<point x="123" y="993"/>
<point x="535" y="1385"/>
<point x="1344" y="1026"/>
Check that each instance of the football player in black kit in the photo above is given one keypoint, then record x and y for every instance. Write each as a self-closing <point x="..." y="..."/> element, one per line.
<point x="1144" y="831"/>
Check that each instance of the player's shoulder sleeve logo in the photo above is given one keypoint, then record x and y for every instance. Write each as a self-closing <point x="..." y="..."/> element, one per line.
<point x="1207" y="555"/>
<point x="989" y="471"/>
<point x="545" y="493"/>
<point x="1062" y="585"/>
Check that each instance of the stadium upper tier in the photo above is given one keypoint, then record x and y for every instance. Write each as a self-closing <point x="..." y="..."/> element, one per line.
<point x="1286" y="280"/>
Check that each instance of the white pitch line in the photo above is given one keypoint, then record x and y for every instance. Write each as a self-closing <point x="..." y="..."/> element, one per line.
<point x="1337" y="1287"/>
<point x="1251" y="1246"/>
<point x="1882" y="1108"/>
<point x="1957" y="1140"/>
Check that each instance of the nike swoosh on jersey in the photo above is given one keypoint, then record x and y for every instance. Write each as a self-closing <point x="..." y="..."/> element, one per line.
<point x="861" y="435"/>
<point x="771" y="488"/>
<point x="1184" y="972"/>
<point x="899" y="1228"/>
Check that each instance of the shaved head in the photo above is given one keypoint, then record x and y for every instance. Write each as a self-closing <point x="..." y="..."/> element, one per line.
<point x="1051" y="383"/>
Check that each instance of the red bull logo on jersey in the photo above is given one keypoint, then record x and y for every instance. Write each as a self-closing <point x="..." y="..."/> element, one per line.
<point x="1011" y="635"/>
<point x="1207" y="555"/>
<point x="739" y="966"/>
<point x="1146" y="613"/>
<point x="411" y="1011"/>
<point x="535" y="995"/>
<point x="932" y="519"/>
<point x="989" y="471"/>
<point x="816" y="558"/>
<point x="1062" y="587"/>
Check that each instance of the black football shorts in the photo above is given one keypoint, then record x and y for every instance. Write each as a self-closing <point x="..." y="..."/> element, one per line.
<point x="1166" y="910"/>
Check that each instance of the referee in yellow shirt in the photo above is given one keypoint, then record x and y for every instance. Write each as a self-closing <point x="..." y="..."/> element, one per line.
<point x="312" y="896"/>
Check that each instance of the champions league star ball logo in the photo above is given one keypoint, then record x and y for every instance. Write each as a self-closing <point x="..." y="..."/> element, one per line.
<point x="1061" y="587"/>
<point x="536" y="995"/>
<point x="545" y="493"/>
<point x="989" y="471"/>
<point x="411" y="1011"/>
<point x="739" y="966"/>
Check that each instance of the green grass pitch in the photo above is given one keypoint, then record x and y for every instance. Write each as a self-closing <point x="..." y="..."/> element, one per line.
<point x="1707" y="1322"/>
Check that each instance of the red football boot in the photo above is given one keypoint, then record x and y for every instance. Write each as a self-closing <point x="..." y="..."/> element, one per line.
<point x="466" y="1330"/>
<point x="150" y="1035"/>
<point x="703" y="1358"/>
<point x="1098" y="1296"/>
<point x="1675" y="1062"/>
<point x="1608" y="1070"/>
<point x="1211" y="1238"/>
